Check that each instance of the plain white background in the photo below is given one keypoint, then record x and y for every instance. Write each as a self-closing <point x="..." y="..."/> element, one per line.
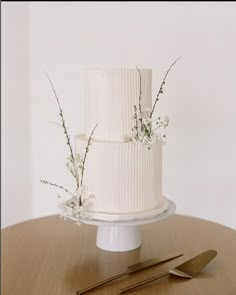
<point x="64" y="38"/>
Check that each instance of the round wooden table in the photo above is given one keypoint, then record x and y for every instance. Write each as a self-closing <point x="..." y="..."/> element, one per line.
<point x="53" y="256"/>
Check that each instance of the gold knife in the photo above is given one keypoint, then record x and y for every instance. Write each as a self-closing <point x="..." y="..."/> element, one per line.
<point x="133" y="268"/>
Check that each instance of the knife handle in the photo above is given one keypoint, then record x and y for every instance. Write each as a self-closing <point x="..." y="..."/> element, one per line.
<point x="143" y="283"/>
<point x="82" y="291"/>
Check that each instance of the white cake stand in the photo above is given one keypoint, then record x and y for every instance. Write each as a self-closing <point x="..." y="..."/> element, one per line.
<point x="119" y="236"/>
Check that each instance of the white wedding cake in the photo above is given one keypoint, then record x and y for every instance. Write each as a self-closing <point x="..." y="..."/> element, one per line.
<point x="125" y="176"/>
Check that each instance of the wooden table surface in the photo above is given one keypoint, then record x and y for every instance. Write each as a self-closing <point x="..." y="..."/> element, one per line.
<point x="52" y="256"/>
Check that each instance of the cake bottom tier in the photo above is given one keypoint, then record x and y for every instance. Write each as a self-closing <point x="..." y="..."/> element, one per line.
<point x="125" y="179"/>
<point x="163" y="207"/>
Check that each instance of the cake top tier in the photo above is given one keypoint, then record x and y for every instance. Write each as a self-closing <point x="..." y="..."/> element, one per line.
<point x="110" y="98"/>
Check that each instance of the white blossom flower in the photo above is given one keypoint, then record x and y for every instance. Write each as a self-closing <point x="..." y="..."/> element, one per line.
<point x="146" y="113"/>
<point x="153" y="139"/>
<point x="143" y="130"/>
<point x="75" y="208"/>
<point x="127" y="138"/>
<point x="166" y="121"/>
<point x="146" y="121"/>
<point x="134" y="140"/>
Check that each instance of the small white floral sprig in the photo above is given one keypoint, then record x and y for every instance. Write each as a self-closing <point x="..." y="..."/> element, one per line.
<point x="75" y="205"/>
<point x="146" y="133"/>
<point x="75" y="208"/>
<point x="144" y="130"/>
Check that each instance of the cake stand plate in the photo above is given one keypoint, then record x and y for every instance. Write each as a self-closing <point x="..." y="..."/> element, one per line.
<point x="119" y="236"/>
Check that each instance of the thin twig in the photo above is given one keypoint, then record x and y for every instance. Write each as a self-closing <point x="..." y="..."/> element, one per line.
<point x="56" y="185"/>
<point x="55" y="123"/>
<point x="156" y="128"/>
<point x="65" y="130"/>
<point x="140" y="98"/>
<point x="162" y="84"/>
<point x="86" y="152"/>
<point x="140" y="91"/>
<point x="136" y="120"/>
<point x="62" y="118"/>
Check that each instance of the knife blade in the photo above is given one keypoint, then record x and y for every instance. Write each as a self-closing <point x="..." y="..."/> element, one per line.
<point x="133" y="268"/>
<point x="188" y="269"/>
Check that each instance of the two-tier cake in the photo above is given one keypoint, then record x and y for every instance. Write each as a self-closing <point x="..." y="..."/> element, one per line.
<point x="124" y="176"/>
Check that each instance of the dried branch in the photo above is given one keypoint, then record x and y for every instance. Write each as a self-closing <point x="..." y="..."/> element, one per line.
<point x="55" y="123"/>
<point x="162" y="84"/>
<point x="140" y="98"/>
<point x="140" y="91"/>
<point x="86" y="152"/>
<point x="65" y="130"/>
<point x="56" y="185"/>
<point x="136" y="120"/>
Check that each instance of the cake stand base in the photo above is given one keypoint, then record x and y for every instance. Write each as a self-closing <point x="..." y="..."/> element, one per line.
<point x="118" y="237"/>
<point x="124" y="235"/>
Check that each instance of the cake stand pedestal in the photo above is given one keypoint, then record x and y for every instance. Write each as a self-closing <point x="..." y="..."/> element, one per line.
<point x="119" y="236"/>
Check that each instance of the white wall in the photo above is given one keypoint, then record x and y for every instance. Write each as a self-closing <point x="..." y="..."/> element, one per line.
<point x="16" y="121"/>
<point x="200" y="97"/>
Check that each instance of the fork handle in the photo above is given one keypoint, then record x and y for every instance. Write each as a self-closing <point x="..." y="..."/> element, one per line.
<point x="143" y="282"/>
<point x="96" y="285"/>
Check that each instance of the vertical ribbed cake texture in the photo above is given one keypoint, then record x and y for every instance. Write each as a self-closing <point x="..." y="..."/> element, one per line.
<point x="110" y="98"/>
<point x="125" y="177"/>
